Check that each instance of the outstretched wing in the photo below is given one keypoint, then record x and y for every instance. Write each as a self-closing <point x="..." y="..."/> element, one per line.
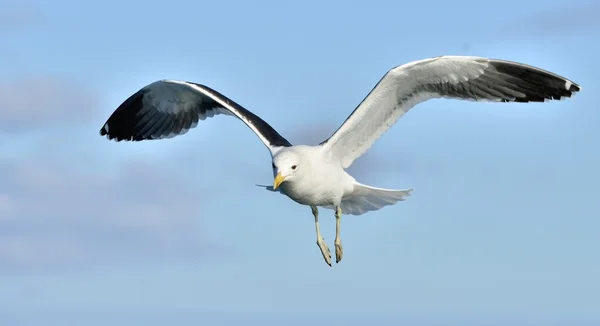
<point x="452" y="77"/>
<point x="168" y="108"/>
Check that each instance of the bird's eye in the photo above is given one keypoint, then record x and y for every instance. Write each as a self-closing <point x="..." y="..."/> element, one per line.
<point x="273" y="164"/>
<point x="294" y="167"/>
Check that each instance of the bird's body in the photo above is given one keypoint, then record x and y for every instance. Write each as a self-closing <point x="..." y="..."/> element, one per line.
<point x="320" y="180"/>
<point x="315" y="176"/>
<point x="308" y="186"/>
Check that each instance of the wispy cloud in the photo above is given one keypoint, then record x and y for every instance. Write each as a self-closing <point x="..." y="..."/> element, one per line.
<point x="43" y="101"/>
<point x="557" y="21"/>
<point x="52" y="215"/>
<point x="19" y="16"/>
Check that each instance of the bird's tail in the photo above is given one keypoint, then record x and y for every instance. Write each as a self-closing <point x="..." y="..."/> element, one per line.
<point x="366" y="198"/>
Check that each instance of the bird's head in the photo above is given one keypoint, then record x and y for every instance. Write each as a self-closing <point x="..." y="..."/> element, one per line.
<point x="285" y="167"/>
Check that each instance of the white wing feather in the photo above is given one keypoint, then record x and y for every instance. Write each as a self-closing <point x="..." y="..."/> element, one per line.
<point x="454" y="77"/>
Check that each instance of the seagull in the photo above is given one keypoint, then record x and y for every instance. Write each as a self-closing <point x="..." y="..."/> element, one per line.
<point x="315" y="176"/>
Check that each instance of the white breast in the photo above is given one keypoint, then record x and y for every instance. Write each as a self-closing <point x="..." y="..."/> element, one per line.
<point x="320" y="183"/>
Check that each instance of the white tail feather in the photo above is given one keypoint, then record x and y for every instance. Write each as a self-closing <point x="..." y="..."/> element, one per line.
<point x="366" y="198"/>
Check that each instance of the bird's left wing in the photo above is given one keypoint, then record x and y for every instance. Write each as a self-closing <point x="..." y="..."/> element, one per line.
<point x="168" y="108"/>
<point x="453" y="77"/>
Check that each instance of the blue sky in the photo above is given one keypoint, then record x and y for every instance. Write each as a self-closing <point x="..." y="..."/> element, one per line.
<point x="502" y="225"/>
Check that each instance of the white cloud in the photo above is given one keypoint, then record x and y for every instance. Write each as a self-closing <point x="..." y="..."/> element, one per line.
<point x="42" y="101"/>
<point x="577" y="18"/>
<point x="56" y="216"/>
<point x="6" y="205"/>
<point x="19" y="17"/>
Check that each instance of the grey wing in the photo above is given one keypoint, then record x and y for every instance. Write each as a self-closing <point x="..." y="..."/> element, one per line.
<point x="452" y="77"/>
<point x="168" y="108"/>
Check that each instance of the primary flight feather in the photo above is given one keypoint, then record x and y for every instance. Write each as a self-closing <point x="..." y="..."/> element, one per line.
<point x="315" y="175"/>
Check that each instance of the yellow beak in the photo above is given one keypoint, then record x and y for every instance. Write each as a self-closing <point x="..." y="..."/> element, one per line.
<point x="278" y="180"/>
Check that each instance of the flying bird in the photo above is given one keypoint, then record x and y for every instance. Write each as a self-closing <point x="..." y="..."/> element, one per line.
<point x="315" y="176"/>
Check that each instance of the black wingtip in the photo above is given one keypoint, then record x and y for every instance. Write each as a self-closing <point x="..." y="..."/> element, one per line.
<point x="120" y="126"/>
<point x="539" y="84"/>
<point x="572" y="87"/>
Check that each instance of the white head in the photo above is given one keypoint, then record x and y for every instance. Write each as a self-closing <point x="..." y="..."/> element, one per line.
<point x="286" y="166"/>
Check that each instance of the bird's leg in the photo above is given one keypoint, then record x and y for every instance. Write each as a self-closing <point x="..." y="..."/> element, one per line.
<point x="320" y="241"/>
<point x="338" y="241"/>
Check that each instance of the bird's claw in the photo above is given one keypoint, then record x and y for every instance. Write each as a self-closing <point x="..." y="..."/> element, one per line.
<point x="324" y="250"/>
<point x="339" y="251"/>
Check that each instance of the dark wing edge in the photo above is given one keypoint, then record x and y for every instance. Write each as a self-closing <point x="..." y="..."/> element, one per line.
<point x="169" y="108"/>
<point x="531" y="84"/>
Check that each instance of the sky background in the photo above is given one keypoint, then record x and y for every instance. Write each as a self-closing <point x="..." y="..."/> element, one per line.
<point x="502" y="226"/>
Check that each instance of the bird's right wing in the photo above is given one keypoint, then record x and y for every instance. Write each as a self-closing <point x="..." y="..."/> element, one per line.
<point x="168" y="108"/>
<point x="452" y="77"/>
